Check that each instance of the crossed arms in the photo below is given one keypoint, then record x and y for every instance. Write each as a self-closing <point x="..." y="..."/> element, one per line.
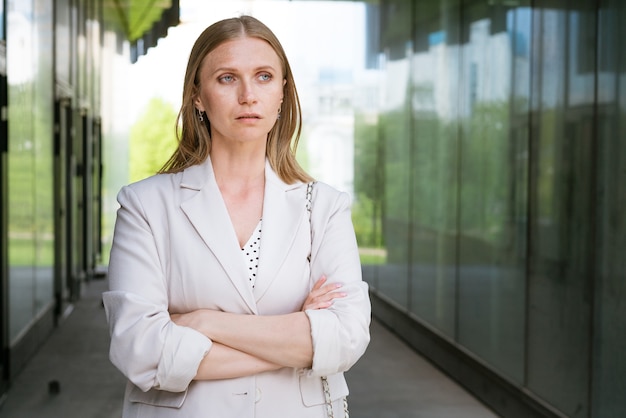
<point x="248" y="344"/>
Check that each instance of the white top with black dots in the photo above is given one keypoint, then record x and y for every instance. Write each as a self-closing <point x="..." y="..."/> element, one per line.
<point x="250" y="253"/>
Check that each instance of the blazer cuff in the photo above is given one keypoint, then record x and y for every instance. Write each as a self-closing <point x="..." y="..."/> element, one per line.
<point x="179" y="363"/>
<point x="325" y="333"/>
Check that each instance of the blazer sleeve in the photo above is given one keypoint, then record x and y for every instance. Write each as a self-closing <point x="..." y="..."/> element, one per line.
<point x="340" y="333"/>
<point x="146" y="346"/>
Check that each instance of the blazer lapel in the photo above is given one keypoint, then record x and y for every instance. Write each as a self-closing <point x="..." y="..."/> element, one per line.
<point x="283" y="209"/>
<point x="206" y="210"/>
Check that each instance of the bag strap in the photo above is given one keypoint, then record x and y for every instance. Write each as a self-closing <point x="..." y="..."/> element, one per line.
<point x="309" y="203"/>
<point x="309" y="197"/>
<point x="329" y="402"/>
<point x="325" y="386"/>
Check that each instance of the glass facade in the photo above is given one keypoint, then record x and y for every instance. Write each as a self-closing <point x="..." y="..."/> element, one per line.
<point x="3" y="182"/>
<point x="58" y="58"/>
<point x="608" y="266"/>
<point x="30" y="205"/>
<point x="495" y="187"/>
<point x="50" y="166"/>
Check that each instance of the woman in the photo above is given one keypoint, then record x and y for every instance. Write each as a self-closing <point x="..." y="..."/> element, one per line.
<point x="214" y="306"/>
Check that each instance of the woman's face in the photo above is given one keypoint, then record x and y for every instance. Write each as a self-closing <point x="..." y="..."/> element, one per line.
<point x="241" y="90"/>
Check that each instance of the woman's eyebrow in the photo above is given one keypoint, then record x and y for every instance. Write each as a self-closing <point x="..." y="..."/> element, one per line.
<point x="235" y="70"/>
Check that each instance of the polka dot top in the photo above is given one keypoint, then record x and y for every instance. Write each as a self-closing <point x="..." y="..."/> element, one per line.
<point x="250" y="253"/>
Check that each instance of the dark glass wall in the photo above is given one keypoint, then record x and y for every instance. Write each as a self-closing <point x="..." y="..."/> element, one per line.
<point x="30" y="213"/>
<point x="62" y="90"/>
<point x="395" y="137"/>
<point x="608" y="206"/>
<point x="495" y="178"/>
<point x="3" y="193"/>
<point x="51" y="168"/>
<point x="561" y="249"/>
<point x="491" y="246"/>
<point x="433" y="190"/>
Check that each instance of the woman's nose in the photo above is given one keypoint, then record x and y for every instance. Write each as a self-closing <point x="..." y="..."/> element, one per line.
<point x="247" y="94"/>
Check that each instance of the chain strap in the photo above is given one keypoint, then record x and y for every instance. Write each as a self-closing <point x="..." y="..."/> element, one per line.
<point x="329" y="402"/>
<point x="309" y="201"/>
<point x="325" y="386"/>
<point x="309" y="198"/>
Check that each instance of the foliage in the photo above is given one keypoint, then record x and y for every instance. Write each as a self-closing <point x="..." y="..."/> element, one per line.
<point x="152" y="139"/>
<point x="366" y="223"/>
<point x="302" y="154"/>
<point x="423" y="178"/>
<point x="486" y="164"/>
<point x="29" y="179"/>
<point x="367" y="208"/>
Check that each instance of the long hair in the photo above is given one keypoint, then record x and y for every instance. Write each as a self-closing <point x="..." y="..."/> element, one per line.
<point x="194" y="136"/>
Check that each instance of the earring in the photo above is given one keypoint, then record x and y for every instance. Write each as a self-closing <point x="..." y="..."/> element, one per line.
<point x="280" y="109"/>
<point x="200" y="117"/>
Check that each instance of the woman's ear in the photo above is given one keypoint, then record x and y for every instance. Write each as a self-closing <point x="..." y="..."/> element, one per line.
<point x="283" y="96"/>
<point x="198" y="104"/>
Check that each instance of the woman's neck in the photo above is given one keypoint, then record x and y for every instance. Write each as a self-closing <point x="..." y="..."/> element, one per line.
<point x="238" y="168"/>
<point x="240" y="177"/>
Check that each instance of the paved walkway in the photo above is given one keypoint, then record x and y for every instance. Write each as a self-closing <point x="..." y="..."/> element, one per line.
<point x="71" y="377"/>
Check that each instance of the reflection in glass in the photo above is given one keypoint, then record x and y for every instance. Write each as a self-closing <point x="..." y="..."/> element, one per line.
<point x="395" y="125"/>
<point x="43" y="158"/>
<point x="30" y="234"/>
<point x="609" y="366"/>
<point x="560" y="223"/>
<point x="491" y="262"/>
<point x="506" y="152"/>
<point x="435" y="178"/>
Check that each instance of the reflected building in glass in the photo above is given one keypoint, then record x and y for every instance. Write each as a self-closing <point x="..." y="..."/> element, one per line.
<point x="495" y="183"/>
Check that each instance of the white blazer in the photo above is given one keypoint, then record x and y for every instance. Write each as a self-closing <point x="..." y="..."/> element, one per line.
<point x="175" y="250"/>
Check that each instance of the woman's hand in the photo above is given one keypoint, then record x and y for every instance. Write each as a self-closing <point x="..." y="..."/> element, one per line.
<point x="322" y="296"/>
<point x="193" y="319"/>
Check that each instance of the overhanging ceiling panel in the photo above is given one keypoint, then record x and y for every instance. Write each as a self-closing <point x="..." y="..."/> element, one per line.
<point x="134" y="18"/>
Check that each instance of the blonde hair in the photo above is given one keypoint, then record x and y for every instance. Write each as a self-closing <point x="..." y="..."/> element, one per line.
<point x="194" y="138"/>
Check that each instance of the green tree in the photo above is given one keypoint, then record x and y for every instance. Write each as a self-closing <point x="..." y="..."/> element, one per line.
<point x="152" y="139"/>
<point x="367" y="208"/>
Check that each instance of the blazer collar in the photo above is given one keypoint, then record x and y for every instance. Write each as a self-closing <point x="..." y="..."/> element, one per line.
<point x="283" y="209"/>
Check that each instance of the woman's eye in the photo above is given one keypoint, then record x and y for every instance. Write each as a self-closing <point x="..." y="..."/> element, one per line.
<point x="226" y="78"/>
<point x="265" y="77"/>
